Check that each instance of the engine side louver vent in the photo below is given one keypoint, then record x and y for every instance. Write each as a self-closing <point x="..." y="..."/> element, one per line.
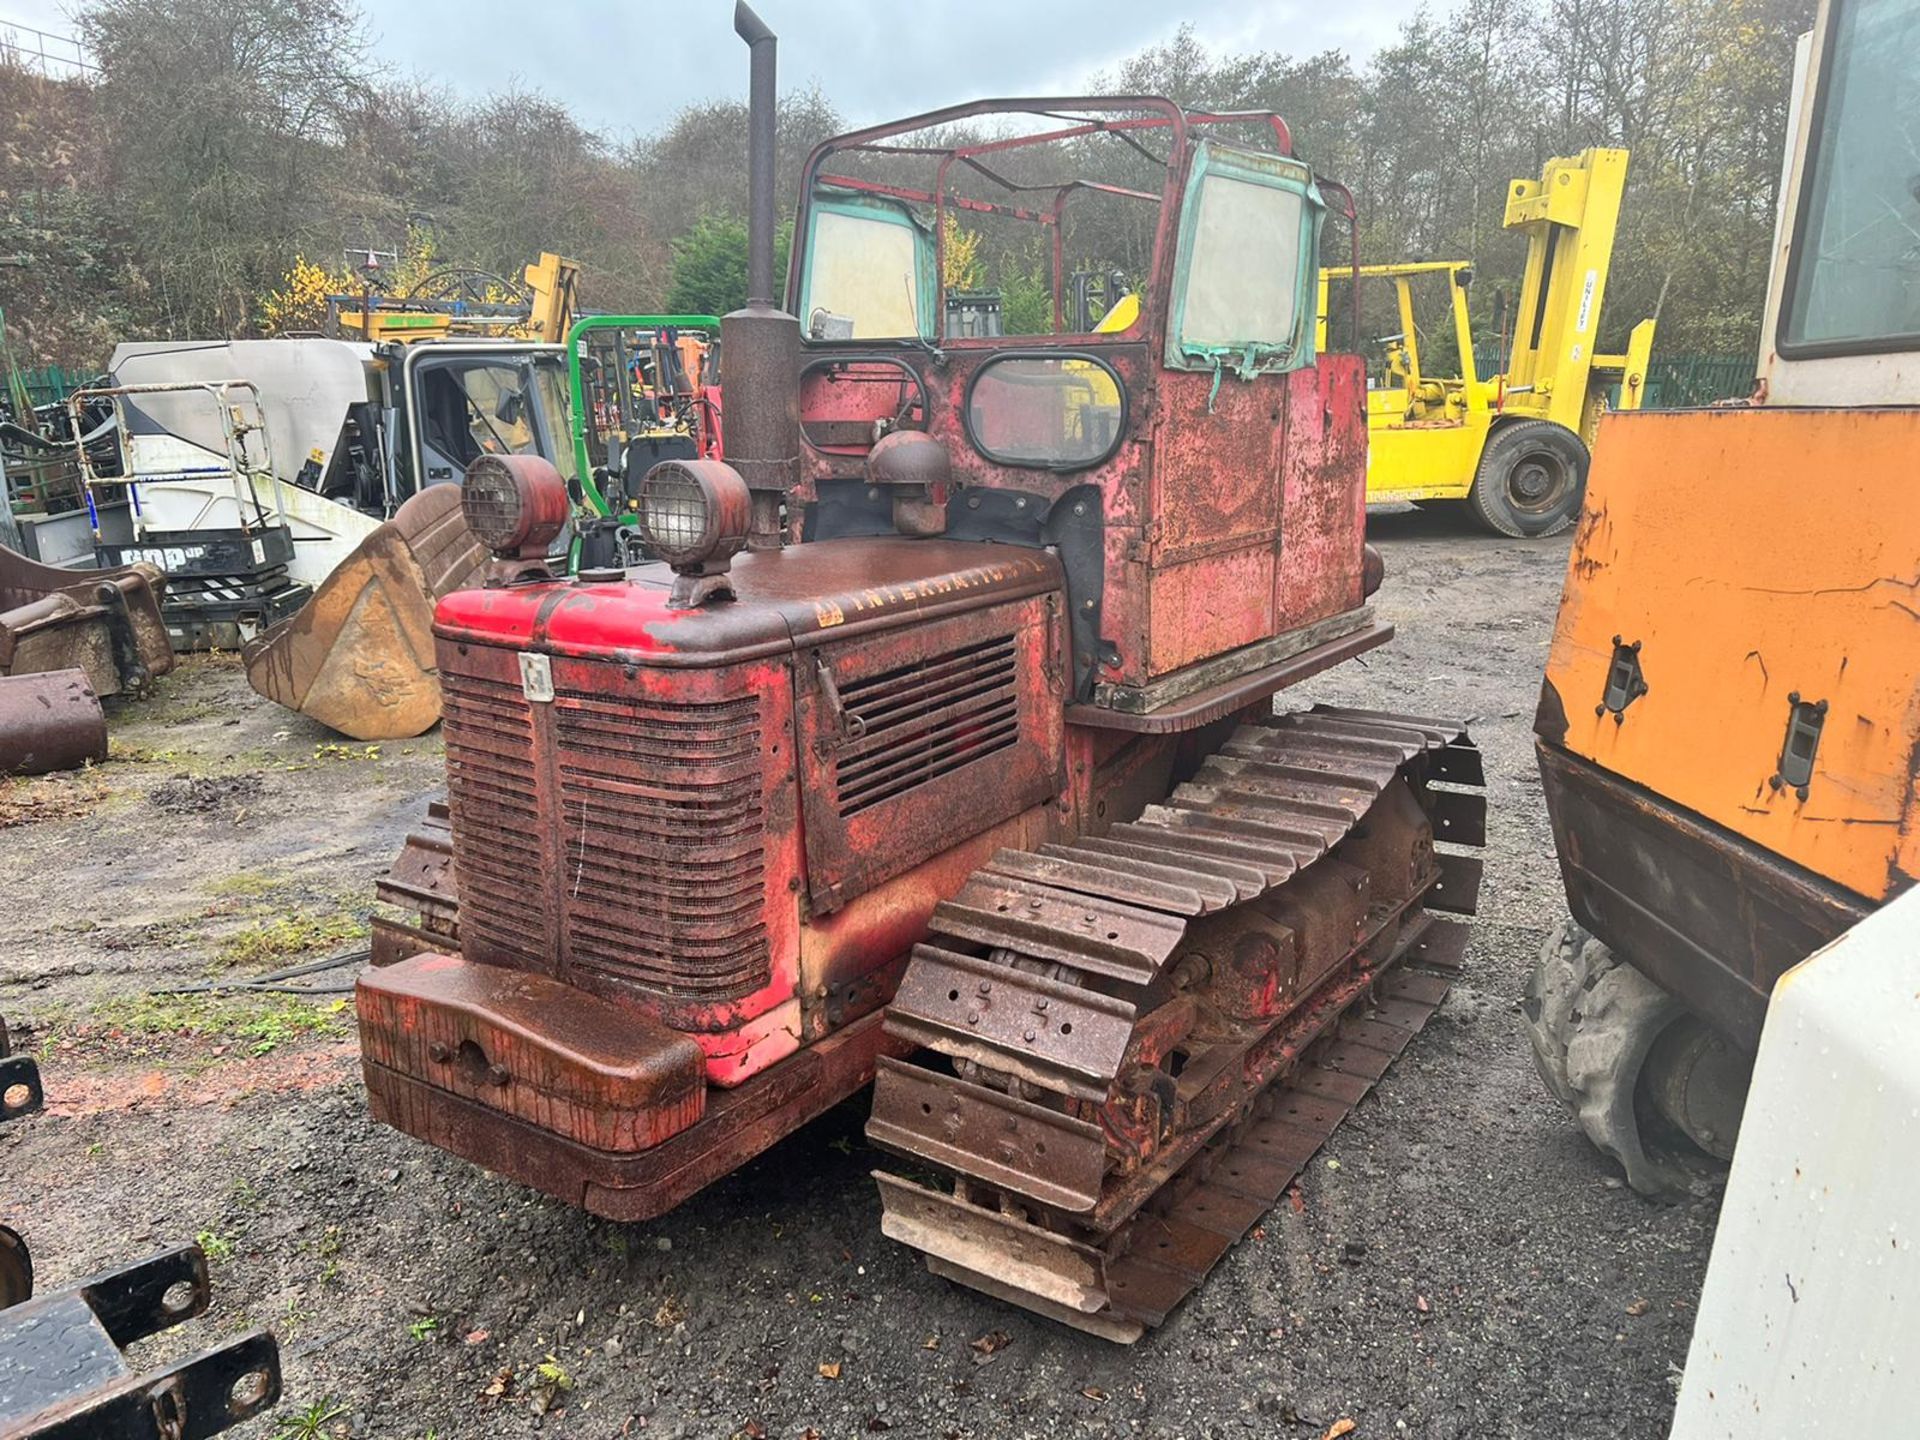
<point x="925" y="720"/>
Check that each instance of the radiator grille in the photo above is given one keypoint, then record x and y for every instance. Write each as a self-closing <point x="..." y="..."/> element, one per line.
<point x="926" y="720"/>
<point x="656" y="863"/>
<point x="496" y="824"/>
<point x="663" y="860"/>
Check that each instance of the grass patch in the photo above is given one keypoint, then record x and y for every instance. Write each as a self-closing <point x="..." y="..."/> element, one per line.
<point x="261" y="1023"/>
<point x="289" y="937"/>
<point x="248" y="884"/>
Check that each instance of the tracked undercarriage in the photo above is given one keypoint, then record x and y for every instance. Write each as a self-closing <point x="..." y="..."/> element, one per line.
<point x="1137" y="1040"/>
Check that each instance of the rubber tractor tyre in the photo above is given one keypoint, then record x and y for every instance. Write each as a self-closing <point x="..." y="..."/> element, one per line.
<point x="1593" y="1019"/>
<point x="1531" y="480"/>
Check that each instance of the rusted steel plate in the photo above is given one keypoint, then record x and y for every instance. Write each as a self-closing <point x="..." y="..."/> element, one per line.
<point x="50" y="721"/>
<point x="1279" y="1143"/>
<point x="1144" y="1290"/>
<point x="1332" y="1084"/>
<point x="1012" y="1143"/>
<point x="1273" y="782"/>
<point x="1427" y="990"/>
<point x="1311" y="1112"/>
<point x="1247" y="882"/>
<point x="1182" y="838"/>
<point x="1096" y="879"/>
<point x="1099" y="935"/>
<point x="1459" y="816"/>
<point x="1292" y="826"/>
<point x="1437" y="731"/>
<point x="1457" y="891"/>
<point x="1322" y="733"/>
<point x="1226" y="1212"/>
<point x="1375" y="1034"/>
<point x="1211" y="892"/>
<point x="1119" y="1329"/>
<point x="1060" y="1036"/>
<point x="1295" y="759"/>
<point x="1442" y="945"/>
<point x="1246" y="1173"/>
<point x="1177" y="1244"/>
<point x="421" y="878"/>
<point x="987" y="1242"/>
<point x="1349" y="1057"/>
<point x="1459" y="764"/>
<point x="534" y="1048"/>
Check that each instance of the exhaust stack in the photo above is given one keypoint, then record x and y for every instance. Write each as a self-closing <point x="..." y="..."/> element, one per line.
<point x="760" y="344"/>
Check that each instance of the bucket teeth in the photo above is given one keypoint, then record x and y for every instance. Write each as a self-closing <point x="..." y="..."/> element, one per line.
<point x="1051" y="985"/>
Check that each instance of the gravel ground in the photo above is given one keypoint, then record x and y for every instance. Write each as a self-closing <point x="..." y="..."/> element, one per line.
<point x="1463" y="1264"/>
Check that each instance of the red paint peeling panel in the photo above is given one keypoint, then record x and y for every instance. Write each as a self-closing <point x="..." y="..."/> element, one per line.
<point x="1209" y="606"/>
<point x="1324" y="519"/>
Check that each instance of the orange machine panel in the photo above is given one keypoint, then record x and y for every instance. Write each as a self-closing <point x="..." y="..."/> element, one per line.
<point x="1763" y="561"/>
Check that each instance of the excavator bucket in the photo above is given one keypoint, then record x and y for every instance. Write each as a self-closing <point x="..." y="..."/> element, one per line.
<point x="358" y="656"/>
<point x="106" y="623"/>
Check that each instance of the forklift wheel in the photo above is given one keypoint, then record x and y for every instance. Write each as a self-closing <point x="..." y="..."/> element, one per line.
<point x="1532" y="477"/>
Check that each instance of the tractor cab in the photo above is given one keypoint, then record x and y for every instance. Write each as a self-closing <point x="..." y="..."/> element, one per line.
<point x="1106" y="302"/>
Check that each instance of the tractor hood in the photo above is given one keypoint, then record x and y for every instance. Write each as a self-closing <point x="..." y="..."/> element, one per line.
<point x="784" y="600"/>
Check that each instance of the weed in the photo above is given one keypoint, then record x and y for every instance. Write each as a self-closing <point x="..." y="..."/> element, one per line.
<point x="246" y="1193"/>
<point x="331" y="1240"/>
<point x="550" y="1382"/>
<point x="424" y="1328"/>
<point x="248" y="884"/>
<point x="290" y="936"/>
<point x="306" y="1424"/>
<point x="295" y="1319"/>
<point x="266" y="1021"/>
<point x="214" y="1247"/>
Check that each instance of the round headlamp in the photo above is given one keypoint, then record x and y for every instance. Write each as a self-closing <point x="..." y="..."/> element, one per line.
<point x="693" y="514"/>
<point x="514" y="504"/>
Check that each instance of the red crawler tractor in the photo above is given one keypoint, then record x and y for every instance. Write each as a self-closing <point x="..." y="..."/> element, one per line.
<point x="979" y="727"/>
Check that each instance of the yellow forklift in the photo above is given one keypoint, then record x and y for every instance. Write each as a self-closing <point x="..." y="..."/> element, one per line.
<point x="1514" y="446"/>
<point x="1730" y="721"/>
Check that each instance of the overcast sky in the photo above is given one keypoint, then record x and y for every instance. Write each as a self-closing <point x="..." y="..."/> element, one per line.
<point x="630" y="66"/>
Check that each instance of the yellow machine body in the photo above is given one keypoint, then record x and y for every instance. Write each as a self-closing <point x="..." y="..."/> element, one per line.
<point x="1427" y="431"/>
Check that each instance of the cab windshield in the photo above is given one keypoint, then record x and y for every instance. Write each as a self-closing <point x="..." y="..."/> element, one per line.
<point x="1854" y="285"/>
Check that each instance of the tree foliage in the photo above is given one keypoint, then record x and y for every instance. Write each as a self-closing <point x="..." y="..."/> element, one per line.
<point x="233" y="151"/>
<point x="708" y="273"/>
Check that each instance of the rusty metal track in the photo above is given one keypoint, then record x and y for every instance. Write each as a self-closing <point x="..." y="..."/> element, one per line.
<point x="1138" y="1039"/>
